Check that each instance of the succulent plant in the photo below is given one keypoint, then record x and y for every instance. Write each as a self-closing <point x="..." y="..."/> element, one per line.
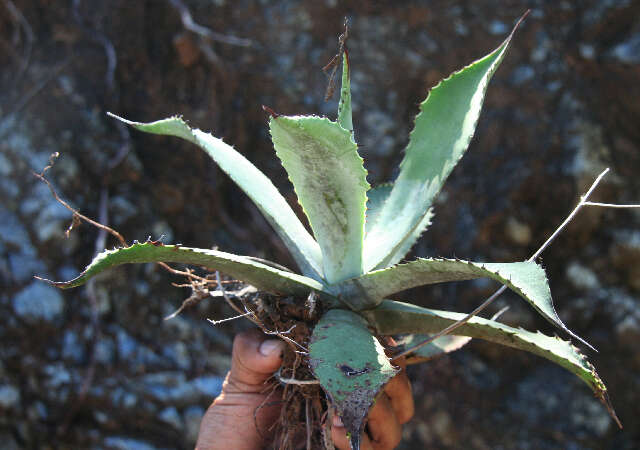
<point x="352" y="264"/>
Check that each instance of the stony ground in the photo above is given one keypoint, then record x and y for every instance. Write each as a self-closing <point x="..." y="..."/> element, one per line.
<point x="97" y="367"/>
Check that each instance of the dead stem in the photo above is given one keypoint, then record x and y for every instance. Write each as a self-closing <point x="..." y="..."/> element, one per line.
<point x="75" y="212"/>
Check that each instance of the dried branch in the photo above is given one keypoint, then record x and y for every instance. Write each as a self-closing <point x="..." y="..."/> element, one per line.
<point x="204" y="32"/>
<point x="75" y="212"/>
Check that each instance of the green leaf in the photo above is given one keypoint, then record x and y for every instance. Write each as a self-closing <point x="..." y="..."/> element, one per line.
<point x="398" y="318"/>
<point x="527" y="279"/>
<point x="344" y="106"/>
<point x="323" y="164"/>
<point x="350" y="364"/>
<point x="254" y="183"/>
<point x="262" y="276"/>
<point x="376" y="198"/>
<point x="443" y="129"/>
<point x="444" y="344"/>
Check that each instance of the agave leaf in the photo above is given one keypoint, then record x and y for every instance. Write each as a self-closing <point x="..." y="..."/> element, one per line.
<point x="327" y="173"/>
<point x="392" y="317"/>
<point x="376" y="198"/>
<point x="443" y="129"/>
<point x="444" y="344"/>
<point x="344" y="106"/>
<point x="527" y="279"/>
<point x="351" y="366"/>
<point x="262" y="276"/>
<point x="254" y="183"/>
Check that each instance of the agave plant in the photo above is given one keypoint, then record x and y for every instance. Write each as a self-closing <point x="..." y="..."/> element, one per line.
<point x="352" y="263"/>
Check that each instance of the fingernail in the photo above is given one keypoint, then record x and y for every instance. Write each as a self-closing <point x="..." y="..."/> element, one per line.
<point x="271" y="346"/>
<point x="337" y="421"/>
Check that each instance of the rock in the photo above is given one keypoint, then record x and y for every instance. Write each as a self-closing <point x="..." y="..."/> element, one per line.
<point x="105" y="350"/>
<point x="178" y="353"/>
<point x="582" y="277"/>
<point x="125" y="443"/>
<point x="171" y="417"/>
<point x="72" y="348"/>
<point x="519" y="233"/>
<point x="628" y="51"/>
<point x="168" y="387"/>
<point x="192" y="418"/>
<point x="209" y="385"/>
<point x="38" y="301"/>
<point x="9" y="396"/>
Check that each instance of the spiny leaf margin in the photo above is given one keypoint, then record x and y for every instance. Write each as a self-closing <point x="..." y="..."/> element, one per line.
<point x="526" y="278"/>
<point x="392" y="317"/>
<point x="436" y="144"/>
<point x="254" y="183"/>
<point x="262" y="276"/>
<point x="328" y="175"/>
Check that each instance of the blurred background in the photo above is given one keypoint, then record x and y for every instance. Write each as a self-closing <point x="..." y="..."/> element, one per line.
<point x="97" y="367"/>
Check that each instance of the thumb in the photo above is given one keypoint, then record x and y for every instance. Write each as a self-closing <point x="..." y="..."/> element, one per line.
<point x="254" y="359"/>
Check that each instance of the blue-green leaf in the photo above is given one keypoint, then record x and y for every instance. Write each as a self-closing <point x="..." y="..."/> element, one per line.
<point x="398" y="318"/>
<point x="329" y="178"/>
<point x="255" y="184"/>
<point x="443" y="129"/>
<point x="351" y="365"/>
<point x="376" y="198"/>
<point x="262" y="276"/>
<point x="527" y="279"/>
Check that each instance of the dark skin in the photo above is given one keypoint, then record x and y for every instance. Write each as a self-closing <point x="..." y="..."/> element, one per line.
<point x="229" y="421"/>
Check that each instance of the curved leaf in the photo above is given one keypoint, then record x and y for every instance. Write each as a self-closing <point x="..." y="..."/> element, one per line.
<point x="443" y="129"/>
<point x="350" y="364"/>
<point x="323" y="164"/>
<point x="262" y="276"/>
<point x="444" y="344"/>
<point x="254" y="183"/>
<point x="527" y="279"/>
<point x="396" y="318"/>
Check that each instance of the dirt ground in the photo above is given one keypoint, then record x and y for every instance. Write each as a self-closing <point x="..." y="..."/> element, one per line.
<point x="97" y="367"/>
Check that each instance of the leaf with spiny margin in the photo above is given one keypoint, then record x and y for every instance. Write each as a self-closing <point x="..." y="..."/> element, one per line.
<point x="329" y="178"/>
<point x="262" y="276"/>
<point x="438" y="347"/>
<point x="443" y="129"/>
<point x="254" y="183"/>
<point x="344" y="105"/>
<point x="351" y="366"/>
<point x="376" y="198"/>
<point x="392" y="317"/>
<point x="527" y="279"/>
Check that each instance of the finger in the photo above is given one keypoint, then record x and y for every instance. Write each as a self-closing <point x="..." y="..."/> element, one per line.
<point x="399" y="391"/>
<point x="340" y="440"/>
<point x="384" y="428"/>
<point x="254" y="359"/>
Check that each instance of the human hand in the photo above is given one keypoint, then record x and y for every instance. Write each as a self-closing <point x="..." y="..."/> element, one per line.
<point x="229" y="421"/>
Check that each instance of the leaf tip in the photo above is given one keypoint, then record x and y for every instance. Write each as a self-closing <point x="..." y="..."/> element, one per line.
<point x="270" y="111"/>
